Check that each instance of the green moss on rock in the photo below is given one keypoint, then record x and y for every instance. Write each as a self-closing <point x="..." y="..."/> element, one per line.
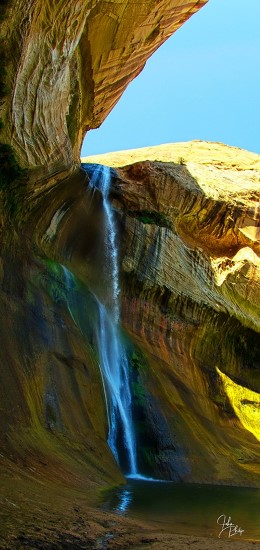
<point x="151" y="217"/>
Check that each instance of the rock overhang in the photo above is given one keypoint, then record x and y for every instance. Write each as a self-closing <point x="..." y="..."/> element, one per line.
<point x="66" y="66"/>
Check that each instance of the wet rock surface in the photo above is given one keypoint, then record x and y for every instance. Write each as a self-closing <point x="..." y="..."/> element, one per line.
<point x="190" y="297"/>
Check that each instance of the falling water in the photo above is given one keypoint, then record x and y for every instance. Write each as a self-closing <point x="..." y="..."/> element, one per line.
<point x="113" y="358"/>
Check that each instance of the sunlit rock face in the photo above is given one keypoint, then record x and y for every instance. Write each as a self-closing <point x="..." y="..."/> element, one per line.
<point x="191" y="296"/>
<point x="66" y="64"/>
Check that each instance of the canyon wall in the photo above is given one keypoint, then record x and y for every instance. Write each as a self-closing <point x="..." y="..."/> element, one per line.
<point x="189" y="238"/>
<point x="189" y="226"/>
<point x="66" y="64"/>
<point x="189" y="241"/>
<point x="190" y="300"/>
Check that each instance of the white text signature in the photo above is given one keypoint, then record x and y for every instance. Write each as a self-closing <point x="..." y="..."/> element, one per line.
<point x="228" y="526"/>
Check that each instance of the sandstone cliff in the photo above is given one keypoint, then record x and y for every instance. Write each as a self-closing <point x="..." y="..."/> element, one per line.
<point x="190" y="281"/>
<point x="190" y="275"/>
<point x="66" y="64"/>
<point x="191" y="298"/>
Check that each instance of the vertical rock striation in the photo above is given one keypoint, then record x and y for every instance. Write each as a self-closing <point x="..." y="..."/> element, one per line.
<point x="191" y="295"/>
<point x="65" y="66"/>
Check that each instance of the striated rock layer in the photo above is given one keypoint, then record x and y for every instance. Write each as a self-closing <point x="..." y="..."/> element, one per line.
<point x="189" y="265"/>
<point x="190" y="281"/>
<point x="66" y="64"/>
<point x="191" y="299"/>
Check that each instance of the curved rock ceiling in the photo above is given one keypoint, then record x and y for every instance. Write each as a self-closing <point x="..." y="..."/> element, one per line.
<point x="68" y="63"/>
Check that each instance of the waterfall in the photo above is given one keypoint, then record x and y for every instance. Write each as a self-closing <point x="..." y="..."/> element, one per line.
<point x="112" y="354"/>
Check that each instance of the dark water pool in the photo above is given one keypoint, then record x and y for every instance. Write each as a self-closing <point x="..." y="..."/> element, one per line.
<point x="189" y="509"/>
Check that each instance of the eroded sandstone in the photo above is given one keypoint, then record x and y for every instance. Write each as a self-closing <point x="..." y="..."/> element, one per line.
<point x="191" y="283"/>
<point x="189" y="305"/>
<point x="65" y="66"/>
<point x="190" y="273"/>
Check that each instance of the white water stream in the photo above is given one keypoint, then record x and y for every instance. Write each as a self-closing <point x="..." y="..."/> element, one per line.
<point x="112" y="354"/>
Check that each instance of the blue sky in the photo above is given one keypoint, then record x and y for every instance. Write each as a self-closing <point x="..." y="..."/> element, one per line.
<point x="203" y="83"/>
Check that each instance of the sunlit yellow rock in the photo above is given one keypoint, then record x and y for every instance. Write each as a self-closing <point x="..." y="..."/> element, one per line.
<point x="245" y="402"/>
